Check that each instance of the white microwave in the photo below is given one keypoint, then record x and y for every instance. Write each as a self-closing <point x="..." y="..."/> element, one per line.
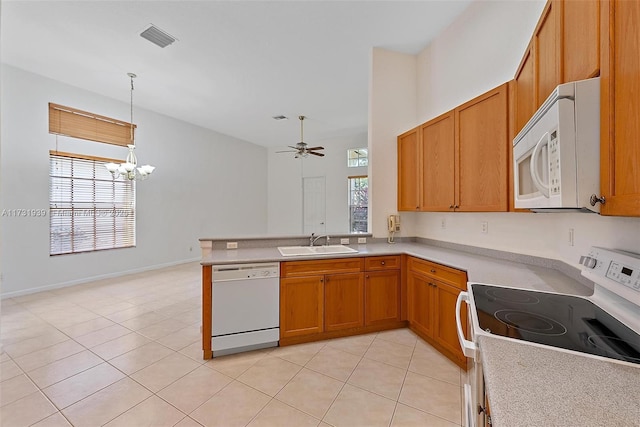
<point x="556" y="156"/>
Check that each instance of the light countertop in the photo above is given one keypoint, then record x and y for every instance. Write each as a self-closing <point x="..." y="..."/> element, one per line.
<point x="529" y="385"/>
<point x="479" y="268"/>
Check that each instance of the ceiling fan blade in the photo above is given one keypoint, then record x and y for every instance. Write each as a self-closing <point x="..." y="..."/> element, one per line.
<point x="293" y="146"/>
<point x="316" y="154"/>
<point x="287" y="151"/>
<point x="315" y="148"/>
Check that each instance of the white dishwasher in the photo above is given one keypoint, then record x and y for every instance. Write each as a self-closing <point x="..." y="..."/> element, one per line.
<point x="245" y="312"/>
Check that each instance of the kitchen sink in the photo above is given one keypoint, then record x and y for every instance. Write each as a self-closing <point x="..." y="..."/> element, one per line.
<point x="315" y="250"/>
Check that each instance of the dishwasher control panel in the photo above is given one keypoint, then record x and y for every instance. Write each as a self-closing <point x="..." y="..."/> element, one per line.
<point x="245" y="271"/>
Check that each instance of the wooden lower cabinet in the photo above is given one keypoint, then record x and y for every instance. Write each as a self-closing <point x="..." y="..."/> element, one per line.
<point x="301" y="306"/>
<point x="432" y="293"/>
<point x="329" y="298"/>
<point x="445" y="332"/>
<point x="382" y="295"/>
<point x="343" y="301"/>
<point x="421" y="307"/>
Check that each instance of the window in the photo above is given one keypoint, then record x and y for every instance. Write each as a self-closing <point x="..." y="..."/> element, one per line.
<point x="357" y="157"/>
<point x="358" y="204"/>
<point x="89" y="210"/>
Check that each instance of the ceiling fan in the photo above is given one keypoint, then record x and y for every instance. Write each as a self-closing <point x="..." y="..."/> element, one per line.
<point x="301" y="148"/>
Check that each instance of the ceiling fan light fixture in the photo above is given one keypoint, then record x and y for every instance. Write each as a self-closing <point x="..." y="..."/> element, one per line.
<point x="301" y="148"/>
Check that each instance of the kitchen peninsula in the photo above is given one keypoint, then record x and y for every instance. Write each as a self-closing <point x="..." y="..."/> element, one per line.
<point x="485" y="266"/>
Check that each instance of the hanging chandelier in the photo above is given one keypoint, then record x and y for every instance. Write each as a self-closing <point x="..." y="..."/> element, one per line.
<point x="129" y="169"/>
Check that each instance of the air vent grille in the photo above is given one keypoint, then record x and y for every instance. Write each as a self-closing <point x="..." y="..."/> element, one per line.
<point x="158" y="37"/>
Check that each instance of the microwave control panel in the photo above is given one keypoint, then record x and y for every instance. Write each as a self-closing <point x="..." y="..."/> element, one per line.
<point x="554" y="164"/>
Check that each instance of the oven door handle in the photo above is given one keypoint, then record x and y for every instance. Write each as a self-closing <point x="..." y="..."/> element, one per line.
<point x="468" y="347"/>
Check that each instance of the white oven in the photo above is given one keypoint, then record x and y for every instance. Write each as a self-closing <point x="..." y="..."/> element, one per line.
<point x="605" y="325"/>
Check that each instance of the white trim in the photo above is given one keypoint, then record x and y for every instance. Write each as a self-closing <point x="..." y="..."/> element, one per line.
<point x="93" y="278"/>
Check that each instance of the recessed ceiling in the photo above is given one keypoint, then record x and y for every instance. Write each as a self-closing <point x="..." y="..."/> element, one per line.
<point x="236" y="64"/>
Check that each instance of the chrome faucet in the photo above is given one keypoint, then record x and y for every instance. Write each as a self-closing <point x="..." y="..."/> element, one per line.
<point x="313" y="239"/>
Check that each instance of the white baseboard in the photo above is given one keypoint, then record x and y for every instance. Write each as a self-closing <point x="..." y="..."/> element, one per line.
<point x="94" y="278"/>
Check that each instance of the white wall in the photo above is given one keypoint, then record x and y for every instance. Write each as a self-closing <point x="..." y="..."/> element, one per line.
<point x="285" y="185"/>
<point x="392" y="110"/>
<point x="206" y="184"/>
<point x="479" y="51"/>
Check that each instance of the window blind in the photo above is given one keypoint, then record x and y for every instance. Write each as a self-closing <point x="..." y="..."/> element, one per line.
<point x="89" y="210"/>
<point x="84" y="125"/>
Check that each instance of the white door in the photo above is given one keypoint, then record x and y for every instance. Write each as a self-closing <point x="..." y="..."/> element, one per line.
<point x="313" y="205"/>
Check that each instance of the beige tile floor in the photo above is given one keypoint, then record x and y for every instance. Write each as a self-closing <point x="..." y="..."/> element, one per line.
<point x="126" y="352"/>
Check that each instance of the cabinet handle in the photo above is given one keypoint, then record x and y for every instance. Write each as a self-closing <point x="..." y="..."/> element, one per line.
<point x="367" y="276"/>
<point x="321" y="280"/>
<point x="450" y="206"/>
<point x="595" y="199"/>
<point x="382" y="262"/>
<point x="456" y="207"/>
<point x="433" y="271"/>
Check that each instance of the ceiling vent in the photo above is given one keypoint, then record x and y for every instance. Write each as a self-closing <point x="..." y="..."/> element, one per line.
<point x="156" y="36"/>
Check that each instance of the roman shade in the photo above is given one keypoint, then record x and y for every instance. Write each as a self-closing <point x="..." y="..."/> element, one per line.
<point x="84" y="125"/>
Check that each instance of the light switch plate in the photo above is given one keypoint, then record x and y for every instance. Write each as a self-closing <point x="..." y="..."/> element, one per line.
<point x="362" y="240"/>
<point x="232" y="245"/>
<point x="344" y="241"/>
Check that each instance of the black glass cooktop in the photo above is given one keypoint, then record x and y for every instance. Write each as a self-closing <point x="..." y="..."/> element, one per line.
<point x="563" y="321"/>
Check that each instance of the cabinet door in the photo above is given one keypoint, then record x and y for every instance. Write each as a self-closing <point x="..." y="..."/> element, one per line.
<point x="525" y="93"/>
<point x="620" y="108"/>
<point x="421" y="303"/>
<point x="343" y="301"/>
<point x="438" y="174"/>
<point x="482" y="147"/>
<point x="382" y="297"/>
<point x="580" y="39"/>
<point x="408" y="171"/>
<point x="547" y="51"/>
<point x="445" y="331"/>
<point x="301" y="306"/>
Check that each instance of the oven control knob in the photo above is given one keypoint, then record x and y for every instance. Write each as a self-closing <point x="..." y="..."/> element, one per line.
<point x="588" y="262"/>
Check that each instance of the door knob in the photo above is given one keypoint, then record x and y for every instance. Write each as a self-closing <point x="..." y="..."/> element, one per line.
<point x="595" y="199"/>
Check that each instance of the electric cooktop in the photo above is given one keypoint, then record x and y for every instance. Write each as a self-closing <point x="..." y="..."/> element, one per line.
<point x="557" y="320"/>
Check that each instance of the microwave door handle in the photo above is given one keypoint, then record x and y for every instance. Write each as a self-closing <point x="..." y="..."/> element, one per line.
<point x="535" y="177"/>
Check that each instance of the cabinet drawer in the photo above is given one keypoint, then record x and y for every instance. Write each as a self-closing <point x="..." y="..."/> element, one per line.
<point x="391" y="262"/>
<point x="321" y="266"/>
<point x="448" y="274"/>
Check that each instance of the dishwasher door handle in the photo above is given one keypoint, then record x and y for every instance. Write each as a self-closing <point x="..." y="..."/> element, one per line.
<point x="468" y="347"/>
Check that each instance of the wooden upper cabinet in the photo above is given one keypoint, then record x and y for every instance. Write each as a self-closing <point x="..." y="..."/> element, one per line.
<point x="525" y="102"/>
<point x="481" y="136"/>
<point x="547" y="48"/>
<point x="438" y="171"/>
<point x="409" y="172"/>
<point x="580" y="39"/>
<point x="620" y="108"/>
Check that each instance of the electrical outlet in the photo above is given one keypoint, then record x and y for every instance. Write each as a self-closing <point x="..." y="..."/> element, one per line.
<point x="344" y="241"/>
<point x="485" y="227"/>
<point x="362" y="240"/>
<point x="443" y="223"/>
<point x="570" y="237"/>
<point x="232" y="245"/>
